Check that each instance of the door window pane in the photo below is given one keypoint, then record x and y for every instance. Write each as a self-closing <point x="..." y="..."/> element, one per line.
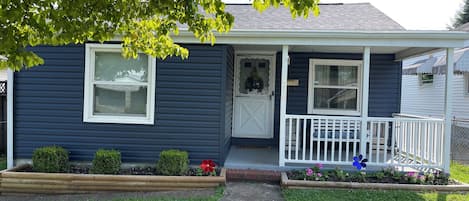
<point x="111" y="66"/>
<point x="120" y="100"/>
<point x="254" y="76"/>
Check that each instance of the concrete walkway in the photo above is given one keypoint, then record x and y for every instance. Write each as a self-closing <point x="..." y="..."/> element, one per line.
<point x="245" y="191"/>
<point x="234" y="191"/>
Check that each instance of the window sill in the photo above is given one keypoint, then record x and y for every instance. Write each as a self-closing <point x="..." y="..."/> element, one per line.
<point x="119" y="120"/>
<point x="337" y="112"/>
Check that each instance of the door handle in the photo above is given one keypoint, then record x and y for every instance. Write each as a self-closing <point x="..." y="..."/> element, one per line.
<point x="272" y="95"/>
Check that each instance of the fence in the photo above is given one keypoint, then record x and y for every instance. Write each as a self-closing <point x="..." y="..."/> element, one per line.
<point x="403" y="141"/>
<point x="460" y="141"/>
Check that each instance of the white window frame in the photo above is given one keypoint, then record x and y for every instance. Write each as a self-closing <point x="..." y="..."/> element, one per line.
<point x="334" y="62"/>
<point x="88" y="116"/>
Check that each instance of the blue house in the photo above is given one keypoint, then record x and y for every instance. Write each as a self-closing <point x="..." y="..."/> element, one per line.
<point x="280" y="90"/>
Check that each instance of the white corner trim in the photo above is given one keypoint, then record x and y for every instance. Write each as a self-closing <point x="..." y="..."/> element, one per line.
<point x="283" y="105"/>
<point x="88" y="115"/>
<point x="448" y="108"/>
<point x="10" y="102"/>
<point x="310" y="104"/>
<point x="364" y="102"/>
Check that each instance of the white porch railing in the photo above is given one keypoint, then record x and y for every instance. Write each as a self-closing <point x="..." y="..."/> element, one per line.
<point x="402" y="142"/>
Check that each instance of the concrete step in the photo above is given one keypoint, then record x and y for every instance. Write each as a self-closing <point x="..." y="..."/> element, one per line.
<point x="252" y="175"/>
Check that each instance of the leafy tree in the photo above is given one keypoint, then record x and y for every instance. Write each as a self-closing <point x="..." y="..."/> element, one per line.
<point x="462" y="16"/>
<point x="142" y="25"/>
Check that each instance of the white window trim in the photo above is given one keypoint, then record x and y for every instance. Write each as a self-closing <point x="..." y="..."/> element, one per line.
<point x="88" y="115"/>
<point x="340" y="62"/>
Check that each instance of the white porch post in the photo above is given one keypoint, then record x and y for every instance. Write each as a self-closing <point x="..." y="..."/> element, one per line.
<point x="10" y="81"/>
<point x="283" y="105"/>
<point x="364" y="98"/>
<point x="448" y="108"/>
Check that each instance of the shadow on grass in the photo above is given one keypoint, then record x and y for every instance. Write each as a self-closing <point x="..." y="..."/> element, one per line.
<point x="370" y="195"/>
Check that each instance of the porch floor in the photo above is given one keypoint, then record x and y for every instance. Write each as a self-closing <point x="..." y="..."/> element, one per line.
<point x="262" y="158"/>
<point x="266" y="158"/>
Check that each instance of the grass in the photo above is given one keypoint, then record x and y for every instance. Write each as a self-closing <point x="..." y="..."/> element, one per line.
<point x="217" y="196"/>
<point x="369" y="195"/>
<point x="458" y="171"/>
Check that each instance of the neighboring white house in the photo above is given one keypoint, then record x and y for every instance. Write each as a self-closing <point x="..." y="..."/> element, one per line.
<point x="3" y="75"/>
<point x="423" y="87"/>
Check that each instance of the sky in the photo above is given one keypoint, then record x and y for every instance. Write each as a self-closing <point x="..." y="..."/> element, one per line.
<point x="412" y="14"/>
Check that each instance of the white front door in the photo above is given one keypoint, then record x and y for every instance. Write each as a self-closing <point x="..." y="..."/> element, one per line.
<point x="254" y="96"/>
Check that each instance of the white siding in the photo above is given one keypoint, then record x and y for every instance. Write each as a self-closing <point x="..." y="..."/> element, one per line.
<point x="428" y="99"/>
<point x="3" y="75"/>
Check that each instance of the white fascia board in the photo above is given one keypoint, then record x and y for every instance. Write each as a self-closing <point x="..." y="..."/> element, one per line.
<point x="336" y="38"/>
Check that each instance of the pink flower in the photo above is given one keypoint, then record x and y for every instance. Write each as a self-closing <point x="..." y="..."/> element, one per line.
<point x="421" y="177"/>
<point x="411" y="174"/>
<point x="309" y="172"/>
<point x="319" y="175"/>
<point x="319" y="165"/>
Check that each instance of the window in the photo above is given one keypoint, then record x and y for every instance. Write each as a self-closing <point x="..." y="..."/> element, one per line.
<point x="118" y="90"/>
<point x="425" y="79"/>
<point x="334" y="87"/>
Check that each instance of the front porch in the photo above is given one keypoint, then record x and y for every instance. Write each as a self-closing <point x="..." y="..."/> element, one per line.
<point x="333" y="136"/>
<point x="339" y="135"/>
<point x="403" y="142"/>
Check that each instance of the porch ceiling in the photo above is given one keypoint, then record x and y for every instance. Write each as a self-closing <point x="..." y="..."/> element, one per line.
<point x="401" y="52"/>
<point x="330" y="49"/>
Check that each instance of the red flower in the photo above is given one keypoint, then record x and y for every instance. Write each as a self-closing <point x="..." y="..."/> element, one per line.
<point x="208" y="166"/>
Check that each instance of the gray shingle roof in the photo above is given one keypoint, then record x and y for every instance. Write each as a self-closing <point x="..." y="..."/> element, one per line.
<point x="347" y="17"/>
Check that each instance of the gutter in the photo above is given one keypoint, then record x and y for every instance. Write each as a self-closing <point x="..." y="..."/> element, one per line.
<point x="452" y="35"/>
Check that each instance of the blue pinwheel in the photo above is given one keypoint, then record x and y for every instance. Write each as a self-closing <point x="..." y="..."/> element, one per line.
<point x="359" y="162"/>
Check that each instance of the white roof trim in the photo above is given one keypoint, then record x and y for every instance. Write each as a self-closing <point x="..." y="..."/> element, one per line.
<point x="439" y="39"/>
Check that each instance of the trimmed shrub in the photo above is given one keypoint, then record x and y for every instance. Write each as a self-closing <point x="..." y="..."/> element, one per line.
<point x="106" y="162"/>
<point x="50" y="159"/>
<point x="173" y="162"/>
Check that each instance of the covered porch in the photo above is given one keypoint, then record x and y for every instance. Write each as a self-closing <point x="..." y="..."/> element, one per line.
<point x="345" y="122"/>
<point x="332" y="134"/>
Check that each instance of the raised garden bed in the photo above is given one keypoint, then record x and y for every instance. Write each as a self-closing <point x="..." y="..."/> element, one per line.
<point x="19" y="180"/>
<point x="292" y="181"/>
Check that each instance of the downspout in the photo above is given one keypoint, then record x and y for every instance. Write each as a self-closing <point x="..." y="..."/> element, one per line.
<point x="10" y="82"/>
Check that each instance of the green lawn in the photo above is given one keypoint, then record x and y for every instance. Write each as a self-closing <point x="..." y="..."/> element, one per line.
<point x="369" y="195"/>
<point x="458" y="172"/>
<point x="217" y="196"/>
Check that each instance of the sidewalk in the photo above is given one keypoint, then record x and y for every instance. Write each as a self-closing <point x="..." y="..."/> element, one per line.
<point x="246" y="191"/>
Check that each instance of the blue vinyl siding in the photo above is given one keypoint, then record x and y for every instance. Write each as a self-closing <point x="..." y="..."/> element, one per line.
<point x="190" y="97"/>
